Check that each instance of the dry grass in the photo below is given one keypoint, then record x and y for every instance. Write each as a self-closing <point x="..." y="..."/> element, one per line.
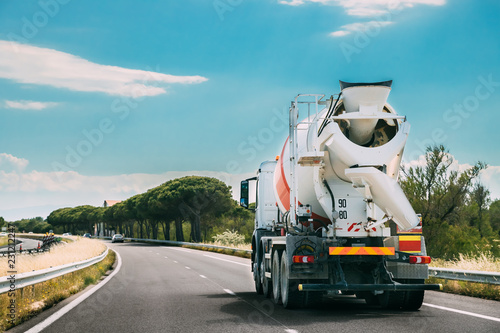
<point x="473" y="289"/>
<point x="34" y="299"/>
<point x="63" y="253"/>
<point x="4" y="240"/>
<point x="246" y="246"/>
<point x="484" y="262"/>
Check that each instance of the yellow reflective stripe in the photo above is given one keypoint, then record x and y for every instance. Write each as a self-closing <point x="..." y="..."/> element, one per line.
<point x="388" y="250"/>
<point x="335" y="250"/>
<point x="353" y="250"/>
<point x="409" y="238"/>
<point x="370" y="250"/>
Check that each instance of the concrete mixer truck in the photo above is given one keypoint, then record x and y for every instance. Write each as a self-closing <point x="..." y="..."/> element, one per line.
<point x="330" y="216"/>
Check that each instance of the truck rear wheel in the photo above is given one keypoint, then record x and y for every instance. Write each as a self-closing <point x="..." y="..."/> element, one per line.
<point x="266" y="284"/>
<point x="276" y="277"/>
<point x="312" y="298"/>
<point x="371" y="299"/>
<point x="257" y="278"/>
<point x="290" y="295"/>
<point x="392" y="300"/>
<point x="414" y="299"/>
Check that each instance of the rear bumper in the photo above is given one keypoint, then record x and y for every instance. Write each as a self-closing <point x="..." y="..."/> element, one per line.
<point x="369" y="287"/>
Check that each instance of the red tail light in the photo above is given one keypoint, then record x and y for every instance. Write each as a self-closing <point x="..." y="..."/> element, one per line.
<point x="303" y="259"/>
<point x="420" y="260"/>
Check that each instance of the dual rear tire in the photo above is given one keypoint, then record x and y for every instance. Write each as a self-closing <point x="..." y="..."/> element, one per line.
<point x="291" y="297"/>
<point x="266" y="283"/>
<point x="257" y="278"/>
<point x="285" y="290"/>
<point x="276" y="276"/>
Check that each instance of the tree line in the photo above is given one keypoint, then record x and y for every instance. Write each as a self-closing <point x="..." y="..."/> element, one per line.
<point x="457" y="213"/>
<point x="204" y="203"/>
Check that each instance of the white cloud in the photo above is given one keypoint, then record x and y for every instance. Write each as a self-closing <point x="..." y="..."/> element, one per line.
<point x="107" y="186"/>
<point x="455" y="165"/>
<point x="34" y="191"/>
<point x="10" y="162"/>
<point x="292" y="2"/>
<point x="490" y="178"/>
<point x="364" y="11"/>
<point x="359" y="26"/>
<point x="29" y="105"/>
<point x="340" y="33"/>
<point x="35" y="65"/>
<point x="368" y="7"/>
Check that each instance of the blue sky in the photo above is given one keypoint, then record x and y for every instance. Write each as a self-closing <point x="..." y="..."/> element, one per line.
<point x="102" y="101"/>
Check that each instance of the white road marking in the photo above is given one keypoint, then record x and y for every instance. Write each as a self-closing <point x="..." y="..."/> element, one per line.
<point x="47" y="322"/>
<point x="203" y="276"/>
<point x="166" y="257"/>
<point x="462" y="312"/>
<point x="289" y="330"/>
<point x="229" y="292"/>
<point x="175" y="262"/>
<point x="181" y="249"/>
<point x="157" y="253"/>
<point x="234" y="262"/>
<point x="187" y="267"/>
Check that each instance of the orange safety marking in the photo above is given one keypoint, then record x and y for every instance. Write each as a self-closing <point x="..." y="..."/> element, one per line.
<point x="388" y="250"/>
<point x="371" y="251"/>
<point x="353" y="250"/>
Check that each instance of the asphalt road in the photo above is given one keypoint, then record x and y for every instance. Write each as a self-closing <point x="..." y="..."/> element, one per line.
<point x="27" y="244"/>
<point x="168" y="289"/>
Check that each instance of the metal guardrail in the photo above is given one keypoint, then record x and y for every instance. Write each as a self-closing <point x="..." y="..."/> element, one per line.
<point x="30" y="251"/>
<point x="27" y="279"/>
<point x="464" y="275"/>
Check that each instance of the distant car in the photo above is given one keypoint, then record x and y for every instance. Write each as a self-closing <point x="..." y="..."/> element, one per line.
<point x="87" y="235"/>
<point x="117" y="238"/>
<point x="30" y="232"/>
<point x="67" y="234"/>
<point x="3" y="234"/>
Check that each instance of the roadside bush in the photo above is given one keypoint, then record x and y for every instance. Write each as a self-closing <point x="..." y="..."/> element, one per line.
<point x="229" y="238"/>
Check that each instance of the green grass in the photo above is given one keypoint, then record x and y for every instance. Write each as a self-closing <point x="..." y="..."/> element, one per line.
<point x="232" y="252"/>
<point x="473" y="289"/>
<point x="4" y="240"/>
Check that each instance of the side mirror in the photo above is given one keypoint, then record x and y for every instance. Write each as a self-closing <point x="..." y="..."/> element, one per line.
<point x="244" y="194"/>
